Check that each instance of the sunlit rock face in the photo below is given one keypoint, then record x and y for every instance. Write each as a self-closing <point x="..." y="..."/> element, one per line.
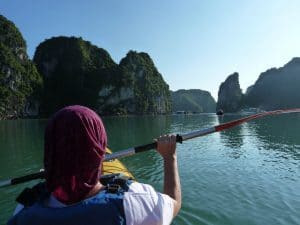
<point x="230" y="94"/>
<point x="150" y="93"/>
<point x="20" y="83"/>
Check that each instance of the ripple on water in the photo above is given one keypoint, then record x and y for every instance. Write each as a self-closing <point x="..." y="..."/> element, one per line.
<point x="249" y="175"/>
<point x="190" y="215"/>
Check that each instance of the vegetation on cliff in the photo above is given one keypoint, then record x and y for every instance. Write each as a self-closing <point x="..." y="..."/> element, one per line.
<point x="193" y="100"/>
<point x="230" y="95"/>
<point x="73" y="71"/>
<point x="20" y="83"/>
<point x="151" y="93"/>
<point x="276" y="88"/>
<point x="77" y="72"/>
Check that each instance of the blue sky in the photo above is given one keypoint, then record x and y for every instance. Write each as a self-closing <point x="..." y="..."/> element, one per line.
<point x="193" y="43"/>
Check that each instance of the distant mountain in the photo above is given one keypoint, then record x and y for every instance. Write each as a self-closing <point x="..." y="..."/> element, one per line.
<point x="193" y="100"/>
<point x="20" y="83"/>
<point x="230" y="94"/>
<point x="276" y="88"/>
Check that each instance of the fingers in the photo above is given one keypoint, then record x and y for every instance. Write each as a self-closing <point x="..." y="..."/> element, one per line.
<point x="173" y="138"/>
<point x="166" y="146"/>
<point x="166" y="139"/>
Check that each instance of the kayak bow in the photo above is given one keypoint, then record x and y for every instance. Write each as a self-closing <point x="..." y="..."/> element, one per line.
<point x="108" y="167"/>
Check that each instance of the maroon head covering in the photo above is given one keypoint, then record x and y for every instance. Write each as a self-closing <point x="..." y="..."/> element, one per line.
<point x="75" y="142"/>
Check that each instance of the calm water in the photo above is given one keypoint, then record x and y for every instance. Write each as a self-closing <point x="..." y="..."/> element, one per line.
<point x="247" y="175"/>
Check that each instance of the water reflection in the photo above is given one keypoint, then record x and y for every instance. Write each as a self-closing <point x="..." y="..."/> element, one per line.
<point x="16" y="138"/>
<point x="232" y="138"/>
<point x="279" y="133"/>
<point x="186" y="123"/>
<point x="124" y="132"/>
<point x="21" y="152"/>
<point x="216" y="189"/>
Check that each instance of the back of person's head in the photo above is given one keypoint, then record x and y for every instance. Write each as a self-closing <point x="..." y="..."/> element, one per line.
<point x="75" y="142"/>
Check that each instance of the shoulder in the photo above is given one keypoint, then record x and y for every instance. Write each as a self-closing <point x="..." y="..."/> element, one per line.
<point x="136" y="187"/>
<point x="143" y="205"/>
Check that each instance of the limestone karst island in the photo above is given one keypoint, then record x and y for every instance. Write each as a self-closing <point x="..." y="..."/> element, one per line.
<point x="70" y="70"/>
<point x="149" y="112"/>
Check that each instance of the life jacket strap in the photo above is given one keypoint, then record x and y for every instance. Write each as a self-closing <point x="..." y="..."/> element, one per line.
<point x="113" y="188"/>
<point x="115" y="183"/>
<point x="31" y="195"/>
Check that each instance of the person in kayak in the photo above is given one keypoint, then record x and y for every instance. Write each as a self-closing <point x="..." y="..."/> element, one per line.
<point x="75" y="145"/>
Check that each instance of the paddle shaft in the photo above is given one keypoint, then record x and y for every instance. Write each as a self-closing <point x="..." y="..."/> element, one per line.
<point x="199" y="133"/>
<point x="18" y="180"/>
<point x="143" y="148"/>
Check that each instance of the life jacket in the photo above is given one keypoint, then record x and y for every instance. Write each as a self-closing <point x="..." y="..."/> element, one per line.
<point x="105" y="208"/>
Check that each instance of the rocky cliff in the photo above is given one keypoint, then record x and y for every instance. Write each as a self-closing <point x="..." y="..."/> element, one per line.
<point x="73" y="70"/>
<point x="77" y="72"/>
<point x="193" y="100"/>
<point x="277" y="88"/>
<point x="20" y="83"/>
<point x="137" y="88"/>
<point x="230" y="94"/>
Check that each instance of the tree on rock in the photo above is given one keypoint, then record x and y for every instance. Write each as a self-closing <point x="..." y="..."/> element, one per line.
<point x="73" y="70"/>
<point x="20" y="83"/>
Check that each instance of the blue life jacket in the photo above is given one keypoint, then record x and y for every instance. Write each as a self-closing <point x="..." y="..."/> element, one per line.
<point x="106" y="208"/>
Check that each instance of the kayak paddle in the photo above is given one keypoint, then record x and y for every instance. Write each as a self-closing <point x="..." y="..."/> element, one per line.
<point x="142" y="148"/>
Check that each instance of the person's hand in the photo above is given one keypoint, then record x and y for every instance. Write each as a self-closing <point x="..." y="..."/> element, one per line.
<point x="166" y="146"/>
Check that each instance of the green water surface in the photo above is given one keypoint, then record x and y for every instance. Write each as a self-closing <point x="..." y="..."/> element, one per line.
<point x="247" y="175"/>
